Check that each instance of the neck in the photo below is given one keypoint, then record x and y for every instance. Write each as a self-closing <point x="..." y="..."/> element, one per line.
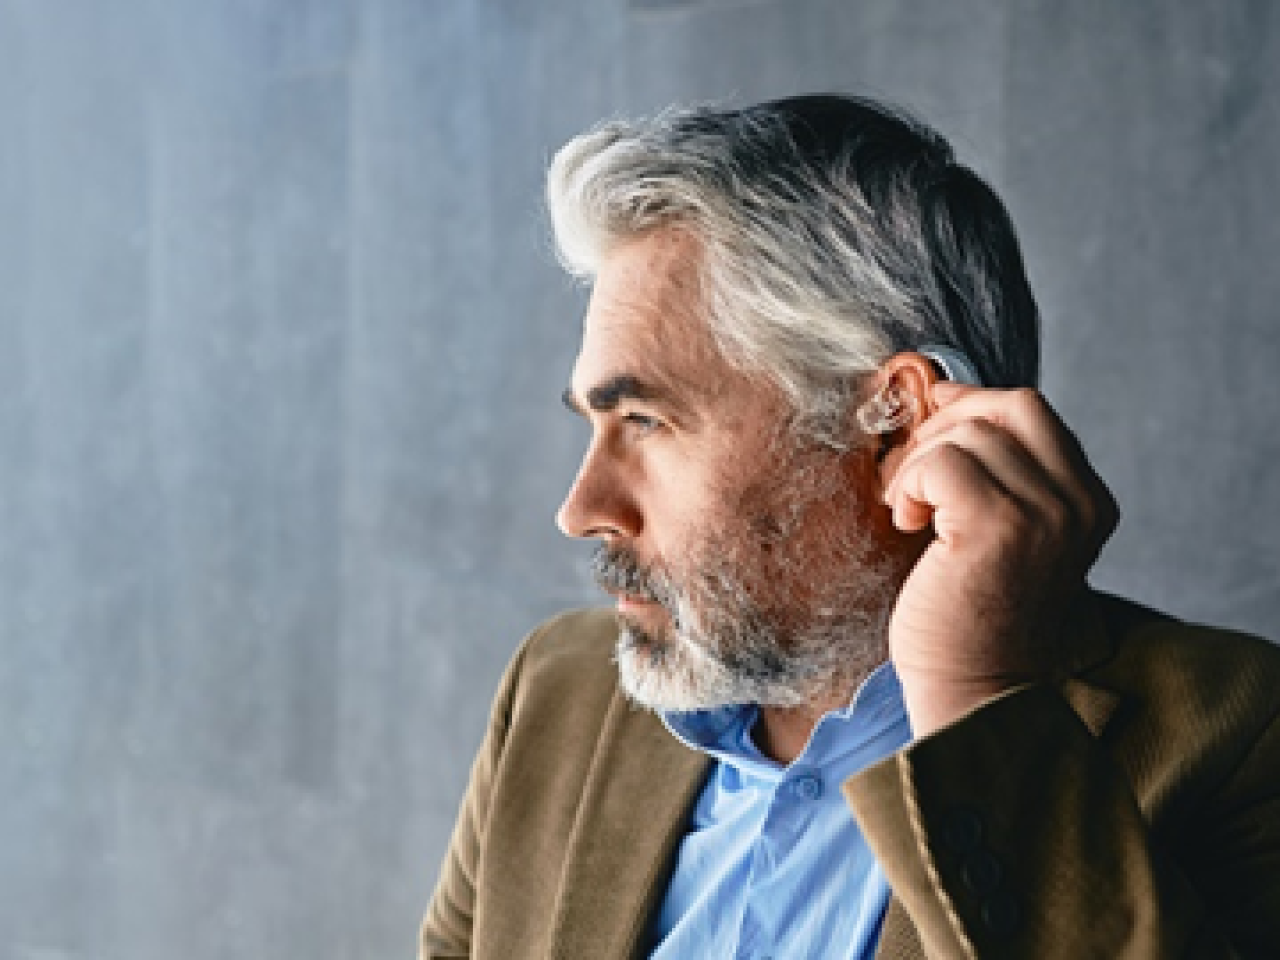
<point x="783" y="732"/>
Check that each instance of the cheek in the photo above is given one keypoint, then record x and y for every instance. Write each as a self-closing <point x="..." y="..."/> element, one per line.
<point x="769" y="512"/>
<point x="821" y="512"/>
<point x="680" y="518"/>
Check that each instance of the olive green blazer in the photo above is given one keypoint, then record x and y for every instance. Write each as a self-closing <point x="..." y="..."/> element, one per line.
<point x="1131" y="810"/>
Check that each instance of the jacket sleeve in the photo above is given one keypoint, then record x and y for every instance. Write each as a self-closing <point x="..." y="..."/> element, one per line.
<point x="446" y="928"/>
<point x="1014" y="833"/>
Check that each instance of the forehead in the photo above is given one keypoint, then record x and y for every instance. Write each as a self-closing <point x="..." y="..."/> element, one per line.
<point x="646" y="318"/>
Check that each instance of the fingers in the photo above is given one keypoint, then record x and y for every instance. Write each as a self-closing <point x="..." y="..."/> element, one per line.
<point x="976" y="481"/>
<point x="1026" y="416"/>
<point x="983" y="446"/>
<point x="968" y="445"/>
<point x="948" y="486"/>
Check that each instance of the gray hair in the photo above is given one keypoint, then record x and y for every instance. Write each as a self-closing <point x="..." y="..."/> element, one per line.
<point x="835" y="232"/>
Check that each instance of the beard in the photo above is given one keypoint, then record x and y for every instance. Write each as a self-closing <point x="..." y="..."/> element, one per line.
<point x="769" y="606"/>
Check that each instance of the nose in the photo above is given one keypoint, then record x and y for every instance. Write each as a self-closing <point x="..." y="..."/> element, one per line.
<point x="599" y="504"/>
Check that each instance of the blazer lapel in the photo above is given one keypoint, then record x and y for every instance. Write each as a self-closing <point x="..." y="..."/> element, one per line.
<point x="1093" y="640"/>
<point x="632" y="813"/>
<point x="1093" y="704"/>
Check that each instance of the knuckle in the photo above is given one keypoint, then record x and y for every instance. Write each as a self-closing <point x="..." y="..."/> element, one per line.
<point x="1087" y="516"/>
<point x="1028" y="399"/>
<point x="1040" y="527"/>
<point x="1056" y="517"/>
<point x="980" y="427"/>
<point x="1103" y="511"/>
<point x="1009" y="519"/>
<point x="1110" y="513"/>
<point x="968" y="433"/>
<point x="951" y="451"/>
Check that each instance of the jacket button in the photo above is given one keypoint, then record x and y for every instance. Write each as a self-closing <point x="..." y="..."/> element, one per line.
<point x="981" y="872"/>
<point x="1001" y="913"/>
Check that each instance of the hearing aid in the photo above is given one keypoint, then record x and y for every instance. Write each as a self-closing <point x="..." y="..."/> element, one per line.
<point x="891" y="408"/>
<point x="955" y="366"/>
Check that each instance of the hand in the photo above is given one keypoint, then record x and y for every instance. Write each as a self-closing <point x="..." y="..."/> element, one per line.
<point x="1019" y="516"/>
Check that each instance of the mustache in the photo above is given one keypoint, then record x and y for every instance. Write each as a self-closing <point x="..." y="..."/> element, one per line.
<point x="618" y="570"/>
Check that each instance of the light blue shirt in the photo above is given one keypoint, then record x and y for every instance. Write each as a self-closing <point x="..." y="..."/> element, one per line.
<point x="774" y="864"/>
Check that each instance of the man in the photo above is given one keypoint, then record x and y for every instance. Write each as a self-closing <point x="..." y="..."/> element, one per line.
<point x="885" y="715"/>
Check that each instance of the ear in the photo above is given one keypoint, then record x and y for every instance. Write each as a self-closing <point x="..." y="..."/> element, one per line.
<point x="901" y="397"/>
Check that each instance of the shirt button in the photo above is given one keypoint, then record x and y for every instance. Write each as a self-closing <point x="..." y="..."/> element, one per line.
<point x="807" y="787"/>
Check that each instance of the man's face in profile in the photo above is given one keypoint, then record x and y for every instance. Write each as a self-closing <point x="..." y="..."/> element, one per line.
<point x="747" y="562"/>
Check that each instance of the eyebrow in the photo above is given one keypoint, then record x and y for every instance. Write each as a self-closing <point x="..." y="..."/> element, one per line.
<point x="606" y="396"/>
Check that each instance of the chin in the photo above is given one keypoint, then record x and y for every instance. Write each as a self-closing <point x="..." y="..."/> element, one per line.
<point x="653" y="668"/>
<point x="652" y="686"/>
<point x="667" y="672"/>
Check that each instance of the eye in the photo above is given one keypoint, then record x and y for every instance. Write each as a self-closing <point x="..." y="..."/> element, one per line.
<point x="641" y="423"/>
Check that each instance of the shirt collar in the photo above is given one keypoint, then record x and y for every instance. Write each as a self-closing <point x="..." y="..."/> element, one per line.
<point x="724" y="733"/>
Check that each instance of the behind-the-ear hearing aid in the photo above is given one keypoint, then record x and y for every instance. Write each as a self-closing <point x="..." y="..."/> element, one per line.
<point x="891" y="408"/>
<point x="955" y="366"/>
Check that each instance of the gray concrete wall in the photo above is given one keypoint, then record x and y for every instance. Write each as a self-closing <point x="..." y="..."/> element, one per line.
<point x="281" y="342"/>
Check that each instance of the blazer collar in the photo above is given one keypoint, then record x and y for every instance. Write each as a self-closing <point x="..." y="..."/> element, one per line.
<point x="634" y="809"/>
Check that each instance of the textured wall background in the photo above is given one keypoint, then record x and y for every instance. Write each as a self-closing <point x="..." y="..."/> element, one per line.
<point x="281" y="342"/>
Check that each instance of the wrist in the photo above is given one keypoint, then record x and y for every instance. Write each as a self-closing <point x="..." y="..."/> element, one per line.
<point x="933" y="703"/>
